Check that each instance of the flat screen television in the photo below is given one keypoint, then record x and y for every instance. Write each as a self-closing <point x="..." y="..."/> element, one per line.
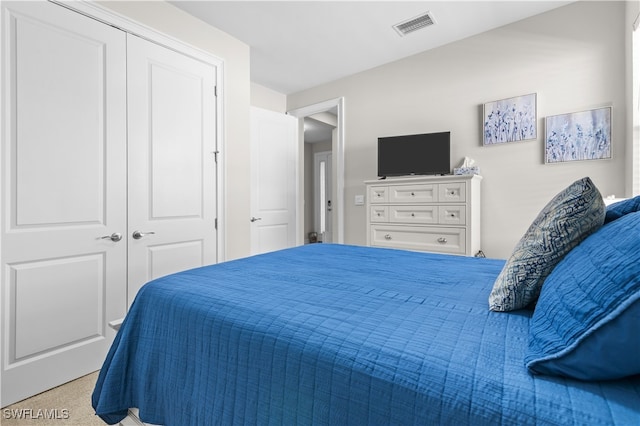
<point x="422" y="154"/>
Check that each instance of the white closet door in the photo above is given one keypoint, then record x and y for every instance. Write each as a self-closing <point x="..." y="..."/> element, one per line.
<point x="274" y="157"/>
<point x="172" y="176"/>
<point x="63" y="191"/>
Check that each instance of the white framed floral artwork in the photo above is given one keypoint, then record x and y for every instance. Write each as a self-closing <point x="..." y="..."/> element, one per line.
<point x="510" y="120"/>
<point x="576" y="136"/>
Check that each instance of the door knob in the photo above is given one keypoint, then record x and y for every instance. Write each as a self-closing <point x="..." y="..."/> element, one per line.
<point x="115" y="237"/>
<point x="137" y="234"/>
<point x="255" y="219"/>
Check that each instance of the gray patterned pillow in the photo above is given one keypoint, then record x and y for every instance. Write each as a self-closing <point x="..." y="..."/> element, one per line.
<point x="569" y="218"/>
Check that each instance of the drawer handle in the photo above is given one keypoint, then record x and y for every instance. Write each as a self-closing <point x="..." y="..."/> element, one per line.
<point x="442" y="240"/>
<point x="412" y="194"/>
<point x="413" y="215"/>
<point x="379" y="214"/>
<point x="387" y="237"/>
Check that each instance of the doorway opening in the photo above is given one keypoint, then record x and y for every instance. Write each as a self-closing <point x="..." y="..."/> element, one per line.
<point x="321" y="179"/>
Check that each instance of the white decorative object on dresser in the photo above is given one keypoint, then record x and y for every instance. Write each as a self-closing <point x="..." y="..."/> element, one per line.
<point x="427" y="213"/>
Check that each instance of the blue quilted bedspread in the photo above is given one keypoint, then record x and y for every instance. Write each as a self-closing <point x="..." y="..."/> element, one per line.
<point x="339" y="335"/>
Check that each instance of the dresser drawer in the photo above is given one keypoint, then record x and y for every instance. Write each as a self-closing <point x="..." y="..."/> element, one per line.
<point x="379" y="213"/>
<point x="413" y="193"/>
<point x="427" y="238"/>
<point x="378" y="194"/>
<point x="414" y="214"/>
<point x="452" y="215"/>
<point x="453" y="192"/>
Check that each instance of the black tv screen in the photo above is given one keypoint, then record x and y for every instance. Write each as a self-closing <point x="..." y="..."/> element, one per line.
<point x="423" y="154"/>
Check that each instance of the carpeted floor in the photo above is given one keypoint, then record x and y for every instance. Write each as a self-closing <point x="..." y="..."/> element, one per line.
<point x="69" y="404"/>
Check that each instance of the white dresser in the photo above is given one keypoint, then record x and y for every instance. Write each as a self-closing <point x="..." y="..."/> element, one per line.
<point x="432" y="213"/>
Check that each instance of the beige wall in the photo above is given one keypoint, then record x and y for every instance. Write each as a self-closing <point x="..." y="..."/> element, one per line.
<point x="632" y="45"/>
<point x="572" y="57"/>
<point x="265" y="98"/>
<point x="173" y="22"/>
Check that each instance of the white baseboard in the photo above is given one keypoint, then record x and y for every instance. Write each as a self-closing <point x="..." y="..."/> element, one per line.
<point x="133" y="420"/>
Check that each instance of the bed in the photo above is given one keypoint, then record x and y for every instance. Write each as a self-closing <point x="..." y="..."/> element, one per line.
<point x="330" y="334"/>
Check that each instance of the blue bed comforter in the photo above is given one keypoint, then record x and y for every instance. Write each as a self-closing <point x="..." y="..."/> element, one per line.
<point x="339" y="335"/>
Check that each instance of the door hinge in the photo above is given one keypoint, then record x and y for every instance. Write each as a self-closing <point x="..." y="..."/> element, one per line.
<point x="215" y="91"/>
<point x="215" y="155"/>
<point x="216" y="223"/>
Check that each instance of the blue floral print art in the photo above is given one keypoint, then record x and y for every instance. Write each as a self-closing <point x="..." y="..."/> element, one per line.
<point x="584" y="135"/>
<point x="510" y="120"/>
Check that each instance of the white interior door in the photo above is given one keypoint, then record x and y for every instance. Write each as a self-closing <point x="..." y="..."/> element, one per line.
<point x="274" y="156"/>
<point x="172" y="169"/>
<point x="323" y="188"/>
<point x="63" y="195"/>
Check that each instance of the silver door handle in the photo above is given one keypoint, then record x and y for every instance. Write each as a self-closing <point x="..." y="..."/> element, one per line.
<point x="115" y="237"/>
<point x="255" y="219"/>
<point x="137" y="234"/>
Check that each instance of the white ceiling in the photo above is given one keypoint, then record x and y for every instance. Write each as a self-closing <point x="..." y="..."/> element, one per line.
<point x="316" y="131"/>
<point x="296" y="45"/>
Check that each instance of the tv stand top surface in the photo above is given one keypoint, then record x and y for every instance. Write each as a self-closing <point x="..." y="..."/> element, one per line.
<point x="423" y="178"/>
<point x="413" y="175"/>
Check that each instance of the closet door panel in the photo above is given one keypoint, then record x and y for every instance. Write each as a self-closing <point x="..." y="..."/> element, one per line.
<point x="172" y="169"/>
<point x="177" y="136"/>
<point x="51" y="159"/>
<point x="63" y="190"/>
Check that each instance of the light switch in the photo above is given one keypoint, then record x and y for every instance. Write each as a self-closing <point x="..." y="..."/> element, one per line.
<point x="359" y="200"/>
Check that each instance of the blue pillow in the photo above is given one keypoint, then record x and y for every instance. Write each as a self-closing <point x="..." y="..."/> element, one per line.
<point x="563" y="223"/>
<point x="586" y="324"/>
<point x="619" y="209"/>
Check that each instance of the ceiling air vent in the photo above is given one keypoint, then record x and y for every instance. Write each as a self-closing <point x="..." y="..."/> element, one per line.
<point x="414" y="24"/>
